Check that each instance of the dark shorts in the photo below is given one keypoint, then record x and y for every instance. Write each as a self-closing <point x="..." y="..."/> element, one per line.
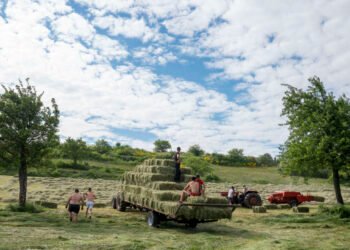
<point x="73" y="208"/>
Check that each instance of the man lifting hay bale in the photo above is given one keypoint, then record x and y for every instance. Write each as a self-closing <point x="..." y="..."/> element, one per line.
<point x="191" y="189"/>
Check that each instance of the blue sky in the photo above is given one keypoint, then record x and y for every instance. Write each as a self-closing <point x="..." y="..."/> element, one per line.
<point x="190" y="72"/>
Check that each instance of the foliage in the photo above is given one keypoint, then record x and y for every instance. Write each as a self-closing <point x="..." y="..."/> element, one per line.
<point x="74" y="149"/>
<point x="319" y="126"/>
<point x="212" y="178"/>
<point x="265" y="160"/>
<point x="236" y="157"/>
<point x="198" y="165"/>
<point x="27" y="129"/>
<point x="161" y="146"/>
<point x="102" y="146"/>
<point x="338" y="211"/>
<point x="29" y="208"/>
<point x="196" y="150"/>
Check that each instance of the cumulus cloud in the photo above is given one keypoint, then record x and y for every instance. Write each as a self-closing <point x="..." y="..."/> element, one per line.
<point x="102" y="83"/>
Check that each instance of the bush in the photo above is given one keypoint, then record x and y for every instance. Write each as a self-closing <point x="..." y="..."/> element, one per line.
<point x="212" y="178"/>
<point x="198" y="165"/>
<point x="29" y="208"/>
<point x="338" y="211"/>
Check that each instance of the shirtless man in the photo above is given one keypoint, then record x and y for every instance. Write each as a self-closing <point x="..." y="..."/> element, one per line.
<point x="90" y="198"/>
<point x="73" y="204"/>
<point x="191" y="189"/>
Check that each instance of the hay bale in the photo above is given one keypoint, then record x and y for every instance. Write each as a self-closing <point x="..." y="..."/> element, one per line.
<point x="300" y="209"/>
<point x="270" y="206"/>
<point x="46" y="204"/>
<point x="259" y="209"/>
<point x="166" y="185"/>
<point x="318" y="198"/>
<point x="160" y="169"/>
<point x="283" y="206"/>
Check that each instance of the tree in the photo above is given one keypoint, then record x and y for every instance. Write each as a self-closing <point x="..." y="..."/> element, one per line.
<point x="196" y="150"/>
<point x="236" y="157"/>
<point x="265" y="160"/>
<point x="319" y="138"/>
<point x="102" y="146"/>
<point x="161" y="146"/>
<point x="28" y="130"/>
<point x="74" y="149"/>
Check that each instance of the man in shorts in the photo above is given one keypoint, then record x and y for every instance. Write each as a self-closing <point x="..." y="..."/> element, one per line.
<point x="90" y="198"/>
<point x="191" y="189"/>
<point x="73" y="204"/>
<point x="201" y="184"/>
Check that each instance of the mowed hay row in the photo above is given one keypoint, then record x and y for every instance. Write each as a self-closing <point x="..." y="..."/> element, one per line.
<point x="301" y="209"/>
<point x="318" y="198"/>
<point x="259" y="209"/>
<point x="160" y="169"/>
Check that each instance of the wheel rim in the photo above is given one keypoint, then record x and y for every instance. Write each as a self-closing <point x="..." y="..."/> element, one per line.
<point x="150" y="219"/>
<point x="253" y="201"/>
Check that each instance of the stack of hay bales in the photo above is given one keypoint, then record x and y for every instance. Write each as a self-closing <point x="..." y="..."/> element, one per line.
<point x="151" y="186"/>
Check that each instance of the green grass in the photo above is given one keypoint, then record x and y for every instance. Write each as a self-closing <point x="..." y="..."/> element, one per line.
<point x="110" y="229"/>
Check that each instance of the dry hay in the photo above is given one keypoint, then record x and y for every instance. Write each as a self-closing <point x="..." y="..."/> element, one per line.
<point x="166" y="185"/>
<point x="271" y="206"/>
<point x="160" y="169"/>
<point x="259" y="209"/>
<point x="301" y="209"/>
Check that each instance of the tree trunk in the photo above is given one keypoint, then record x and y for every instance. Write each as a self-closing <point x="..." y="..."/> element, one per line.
<point x="336" y="183"/>
<point x="22" y="177"/>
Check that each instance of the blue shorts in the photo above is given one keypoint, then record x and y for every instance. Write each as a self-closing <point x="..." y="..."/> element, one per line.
<point x="89" y="204"/>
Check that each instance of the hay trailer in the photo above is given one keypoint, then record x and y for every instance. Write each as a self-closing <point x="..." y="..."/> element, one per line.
<point x="150" y="188"/>
<point x="292" y="198"/>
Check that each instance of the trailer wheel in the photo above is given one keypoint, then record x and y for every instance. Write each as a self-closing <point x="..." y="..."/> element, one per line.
<point x="192" y="223"/>
<point x="114" y="203"/>
<point x="293" y="203"/>
<point x="120" y="204"/>
<point x="153" y="219"/>
<point x="252" y="199"/>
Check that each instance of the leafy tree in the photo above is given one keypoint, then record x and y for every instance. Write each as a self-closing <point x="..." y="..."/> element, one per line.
<point x="198" y="165"/>
<point x="27" y="130"/>
<point x="265" y="160"/>
<point x="74" y="149"/>
<point x="102" y="146"/>
<point x="161" y="146"/>
<point x="196" y="150"/>
<point x="236" y="156"/>
<point x="319" y="125"/>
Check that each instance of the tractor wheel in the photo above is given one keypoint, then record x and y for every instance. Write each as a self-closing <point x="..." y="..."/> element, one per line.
<point x="192" y="223"/>
<point x="153" y="219"/>
<point x="293" y="203"/>
<point x="120" y="204"/>
<point x="252" y="199"/>
<point x="114" y="203"/>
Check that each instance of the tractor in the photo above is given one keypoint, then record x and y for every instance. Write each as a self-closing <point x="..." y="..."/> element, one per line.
<point x="248" y="199"/>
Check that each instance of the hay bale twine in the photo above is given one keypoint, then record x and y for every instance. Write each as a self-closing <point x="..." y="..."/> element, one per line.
<point x="259" y="209"/>
<point x="271" y="206"/>
<point x="301" y="209"/>
<point x="283" y="206"/>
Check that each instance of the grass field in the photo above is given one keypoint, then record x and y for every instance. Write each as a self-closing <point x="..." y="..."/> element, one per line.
<point x="109" y="229"/>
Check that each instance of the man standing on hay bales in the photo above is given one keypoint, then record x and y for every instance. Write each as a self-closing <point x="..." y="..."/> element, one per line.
<point x="73" y="204"/>
<point x="90" y="198"/>
<point x="177" y="159"/>
<point x="191" y="189"/>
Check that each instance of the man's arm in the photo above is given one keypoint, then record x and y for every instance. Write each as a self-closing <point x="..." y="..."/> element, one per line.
<point x="68" y="201"/>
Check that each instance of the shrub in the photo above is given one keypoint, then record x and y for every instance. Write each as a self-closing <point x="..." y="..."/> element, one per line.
<point x="198" y="165"/>
<point x="338" y="211"/>
<point x="29" y="208"/>
<point x="212" y="178"/>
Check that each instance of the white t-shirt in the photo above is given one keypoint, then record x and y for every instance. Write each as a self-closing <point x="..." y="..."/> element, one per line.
<point x="230" y="193"/>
